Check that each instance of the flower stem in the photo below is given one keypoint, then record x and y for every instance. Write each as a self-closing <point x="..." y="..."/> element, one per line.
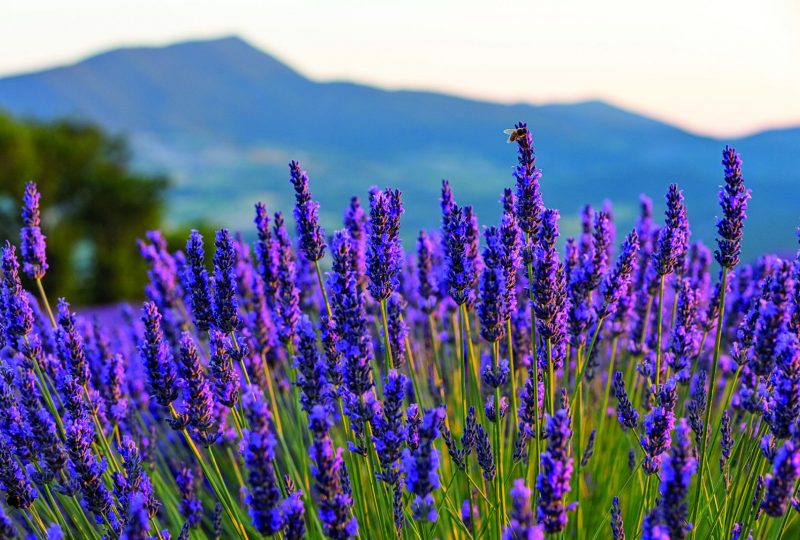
<point x="659" y="329"/>
<point x="712" y="384"/>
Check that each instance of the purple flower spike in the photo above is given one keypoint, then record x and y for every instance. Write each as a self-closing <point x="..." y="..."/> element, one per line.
<point x="553" y="482"/>
<point x="384" y="251"/>
<point x="493" y="309"/>
<point x="311" y="235"/>
<point x="157" y="358"/>
<point x="335" y="503"/>
<point x="529" y="196"/>
<point x="733" y="197"/>
<point x="191" y="507"/>
<point x="226" y="305"/>
<point x="782" y="406"/>
<point x="421" y="467"/>
<point x="780" y="484"/>
<point x="258" y="448"/>
<point x="18" y="489"/>
<point x="390" y="433"/>
<point x="266" y="254"/>
<point x="549" y="288"/>
<point x="428" y="288"/>
<point x="355" y="222"/>
<point x="32" y="241"/>
<point x="676" y="475"/>
<point x="511" y="240"/>
<point x="294" y="513"/>
<point x="220" y="367"/>
<point x="70" y="344"/>
<point x="461" y="272"/>
<point x="685" y="341"/>
<point x="17" y="313"/>
<point x="196" y="282"/>
<point x="658" y="425"/>
<point x="522" y="525"/>
<point x="199" y="400"/>
<point x="314" y="388"/>
<point x="617" y="527"/>
<point x="673" y="240"/>
<point x="617" y="284"/>
<point x="288" y="301"/>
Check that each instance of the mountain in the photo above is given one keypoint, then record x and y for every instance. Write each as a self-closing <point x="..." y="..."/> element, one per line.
<point x="224" y="118"/>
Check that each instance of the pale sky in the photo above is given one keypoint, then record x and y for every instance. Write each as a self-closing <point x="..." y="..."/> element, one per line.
<point x="715" y="67"/>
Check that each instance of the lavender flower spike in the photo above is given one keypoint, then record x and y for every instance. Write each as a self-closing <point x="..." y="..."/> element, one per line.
<point x="226" y="305"/>
<point x="618" y="282"/>
<point x="335" y="503"/>
<point x="384" y="251"/>
<point x="287" y="306"/>
<point x="390" y="433"/>
<point x="311" y="235"/>
<point x="311" y="380"/>
<point x="258" y="448"/>
<point x="733" y="197"/>
<point x="529" y="196"/>
<point x="266" y="254"/>
<point x="422" y="467"/>
<point x="18" y="489"/>
<point x="549" y="287"/>
<point x="676" y="476"/>
<point x="782" y="406"/>
<point x="355" y="222"/>
<point x="493" y="307"/>
<point x="223" y="377"/>
<point x="780" y="484"/>
<point x="191" y="507"/>
<point x="627" y="414"/>
<point x="428" y="288"/>
<point x="157" y="358"/>
<point x="196" y="282"/>
<point x="673" y="238"/>
<point x="294" y="515"/>
<point x="553" y="482"/>
<point x="658" y="424"/>
<point x="522" y="525"/>
<point x="617" y="527"/>
<point x="70" y="344"/>
<point x="32" y="241"/>
<point x="199" y="400"/>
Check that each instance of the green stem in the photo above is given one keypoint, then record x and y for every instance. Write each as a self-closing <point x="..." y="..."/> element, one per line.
<point x="322" y="288"/>
<point x="659" y="329"/>
<point x="712" y="384"/>
<point x="386" y="340"/>
<point x="513" y="373"/>
<point x="551" y="379"/>
<point x="46" y="303"/>
<point x="498" y="425"/>
<point x="216" y="480"/>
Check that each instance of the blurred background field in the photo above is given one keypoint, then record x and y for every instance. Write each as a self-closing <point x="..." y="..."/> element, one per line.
<point x="193" y="132"/>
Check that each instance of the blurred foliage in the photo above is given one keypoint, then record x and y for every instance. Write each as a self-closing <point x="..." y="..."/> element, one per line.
<point x="94" y="206"/>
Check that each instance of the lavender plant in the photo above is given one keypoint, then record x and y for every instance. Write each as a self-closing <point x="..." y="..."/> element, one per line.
<point x="489" y="385"/>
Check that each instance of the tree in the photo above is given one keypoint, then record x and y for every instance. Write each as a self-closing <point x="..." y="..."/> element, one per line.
<point x="94" y="206"/>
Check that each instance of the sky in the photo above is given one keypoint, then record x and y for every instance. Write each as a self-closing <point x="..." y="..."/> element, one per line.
<point x="721" y="68"/>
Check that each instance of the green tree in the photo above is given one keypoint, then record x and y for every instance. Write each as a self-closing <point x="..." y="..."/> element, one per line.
<point x="94" y="206"/>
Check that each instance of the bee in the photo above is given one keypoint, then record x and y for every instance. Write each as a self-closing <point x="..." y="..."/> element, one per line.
<point x="515" y="133"/>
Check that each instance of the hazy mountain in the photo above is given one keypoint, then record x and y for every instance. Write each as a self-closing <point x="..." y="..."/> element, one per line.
<point x="224" y="118"/>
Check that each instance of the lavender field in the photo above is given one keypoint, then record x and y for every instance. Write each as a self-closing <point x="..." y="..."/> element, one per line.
<point x="491" y="381"/>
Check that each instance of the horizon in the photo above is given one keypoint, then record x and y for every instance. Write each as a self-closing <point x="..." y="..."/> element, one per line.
<point x="671" y="68"/>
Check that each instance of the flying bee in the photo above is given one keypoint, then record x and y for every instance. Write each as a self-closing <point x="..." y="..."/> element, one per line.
<point x="515" y="133"/>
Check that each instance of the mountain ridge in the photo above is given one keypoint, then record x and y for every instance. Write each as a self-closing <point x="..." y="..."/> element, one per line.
<point x="221" y="114"/>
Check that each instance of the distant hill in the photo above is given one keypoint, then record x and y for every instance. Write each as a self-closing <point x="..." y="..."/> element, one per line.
<point x="224" y="118"/>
